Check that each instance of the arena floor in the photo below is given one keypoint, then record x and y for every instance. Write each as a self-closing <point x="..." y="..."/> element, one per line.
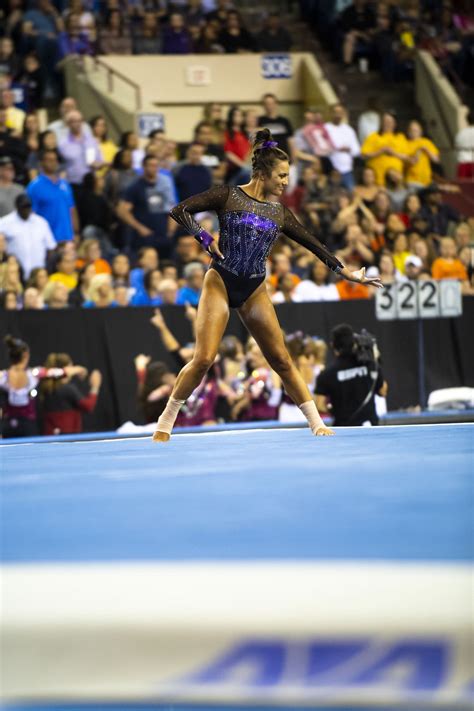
<point x="244" y="568"/>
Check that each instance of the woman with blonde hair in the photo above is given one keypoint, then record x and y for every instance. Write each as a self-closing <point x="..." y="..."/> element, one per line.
<point x="101" y="293"/>
<point x="10" y="278"/>
<point x="89" y="252"/>
<point x="56" y="295"/>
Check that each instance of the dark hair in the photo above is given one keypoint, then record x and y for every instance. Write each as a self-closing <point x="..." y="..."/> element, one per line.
<point x="117" y="161"/>
<point x="388" y="112"/>
<point x="263" y="159"/>
<point x="42" y="136"/>
<point x="143" y="250"/>
<point x="147" y="277"/>
<point x="109" y="17"/>
<point x="156" y="131"/>
<point x="47" y="386"/>
<point x="16" y="349"/>
<point x="154" y="375"/>
<point x="82" y="273"/>
<point x="200" y="125"/>
<point x="33" y="274"/>
<point x="45" y="152"/>
<point x="230" y="119"/>
<point x="124" y="138"/>
<point x="88" y="182"/>
<point x="148" y="158"/>
<point x="24" y="133"/>
<point x="342" y="338"/>
<point x="95" y="119"/>
<point x="164" y="263"/>
<point x="228" y="347"/>
<point x="281" y="278"/>
<point x="4" y="296"/>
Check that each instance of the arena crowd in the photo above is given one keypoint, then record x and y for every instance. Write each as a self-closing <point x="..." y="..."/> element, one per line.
<point x="84" y="219"/>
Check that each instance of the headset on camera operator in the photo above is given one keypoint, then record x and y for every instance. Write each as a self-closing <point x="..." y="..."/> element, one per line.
<point x="351" y="383"/>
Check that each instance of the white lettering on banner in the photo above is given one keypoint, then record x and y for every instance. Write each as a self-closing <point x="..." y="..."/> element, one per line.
<point x="276" y="66"/>
<point x="352" y="373"/>
<point x="419" y="299"/>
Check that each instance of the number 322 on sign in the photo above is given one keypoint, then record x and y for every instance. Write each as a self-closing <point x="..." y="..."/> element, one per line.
<point x="424" y="299"/>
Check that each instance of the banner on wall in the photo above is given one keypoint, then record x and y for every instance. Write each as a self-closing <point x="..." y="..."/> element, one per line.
<point x="238" y="632"/>
<point x="276" y="66"/>
<point x="148" y="122"/>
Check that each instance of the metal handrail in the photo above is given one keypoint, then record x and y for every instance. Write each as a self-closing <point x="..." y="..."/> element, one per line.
<point x="112" y="73"/>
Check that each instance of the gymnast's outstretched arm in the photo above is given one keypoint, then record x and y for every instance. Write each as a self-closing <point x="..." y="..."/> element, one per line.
<point x="295" y="230"/>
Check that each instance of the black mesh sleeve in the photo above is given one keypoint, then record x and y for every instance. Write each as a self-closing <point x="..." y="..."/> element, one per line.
<point x="295" y="230"/>
<point x="213" y="199"/>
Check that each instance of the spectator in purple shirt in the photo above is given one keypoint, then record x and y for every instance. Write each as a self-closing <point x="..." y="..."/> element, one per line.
<point x="73" y="41"/>
<point x="176" y="39"/>
<point x="80" y="151"/>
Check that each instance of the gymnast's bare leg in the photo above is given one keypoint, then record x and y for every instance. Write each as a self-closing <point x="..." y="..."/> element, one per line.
<point x="212" y="318"/>
<point x="259" y="317"/>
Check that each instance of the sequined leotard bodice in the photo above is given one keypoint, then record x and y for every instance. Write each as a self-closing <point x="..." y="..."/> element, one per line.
<point x="248" y="229"/>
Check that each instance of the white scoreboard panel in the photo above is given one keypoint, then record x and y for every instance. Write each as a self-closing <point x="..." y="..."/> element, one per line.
<point x="419" y="299"/>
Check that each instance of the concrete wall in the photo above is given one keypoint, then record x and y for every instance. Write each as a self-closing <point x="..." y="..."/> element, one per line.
<point x="110" y="87"/>
<point x="164" y="87"/>
<point x="442" y="110"/>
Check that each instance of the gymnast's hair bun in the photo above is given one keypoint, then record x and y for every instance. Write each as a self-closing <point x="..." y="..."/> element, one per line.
<point x="16" y="348"/>
<point x="266" y="153"/>
<point x="261" y="137"/>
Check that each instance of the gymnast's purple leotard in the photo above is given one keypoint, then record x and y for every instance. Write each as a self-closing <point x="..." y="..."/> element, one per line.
<point x="248" y="230"/>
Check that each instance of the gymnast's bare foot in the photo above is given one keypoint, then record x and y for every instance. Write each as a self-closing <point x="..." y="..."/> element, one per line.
<point x="324" y="432"/>
<point x="160" y="436"/>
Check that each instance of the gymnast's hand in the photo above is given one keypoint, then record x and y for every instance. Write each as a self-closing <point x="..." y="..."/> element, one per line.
<point x="359" y="277"/>
<point x="214" y="251"/>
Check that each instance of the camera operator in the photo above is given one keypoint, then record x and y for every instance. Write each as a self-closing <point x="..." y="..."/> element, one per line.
<point x="351" y="383"/>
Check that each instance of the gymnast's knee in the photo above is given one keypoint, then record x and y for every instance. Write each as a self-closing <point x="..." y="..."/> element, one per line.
<point x="281" y="363"/>
<point x="202" y="363"/>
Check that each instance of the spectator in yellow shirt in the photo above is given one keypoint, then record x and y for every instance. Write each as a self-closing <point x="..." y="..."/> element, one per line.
<point x="401" y="252"/>
<point x="15" y="117"/>
<point x="108" y="148"/>
<point x="385" y="149"/>
<point x="66" y="271"/>
<point x="421" y="153"/>
<point x="448" y="266"/>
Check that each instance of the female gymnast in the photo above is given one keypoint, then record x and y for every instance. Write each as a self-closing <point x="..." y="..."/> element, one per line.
<point x="250" y="219"/>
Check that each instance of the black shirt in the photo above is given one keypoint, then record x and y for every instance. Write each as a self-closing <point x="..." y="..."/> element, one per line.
<point x="279" y="41"/>
<point x="280" y="128"/>
<point x="346" y="384"/>
<point x="233" y="43"/>
<point x="361" y="19"/>
<point x="192" y="179"/>
<point x="150" y="207"/>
